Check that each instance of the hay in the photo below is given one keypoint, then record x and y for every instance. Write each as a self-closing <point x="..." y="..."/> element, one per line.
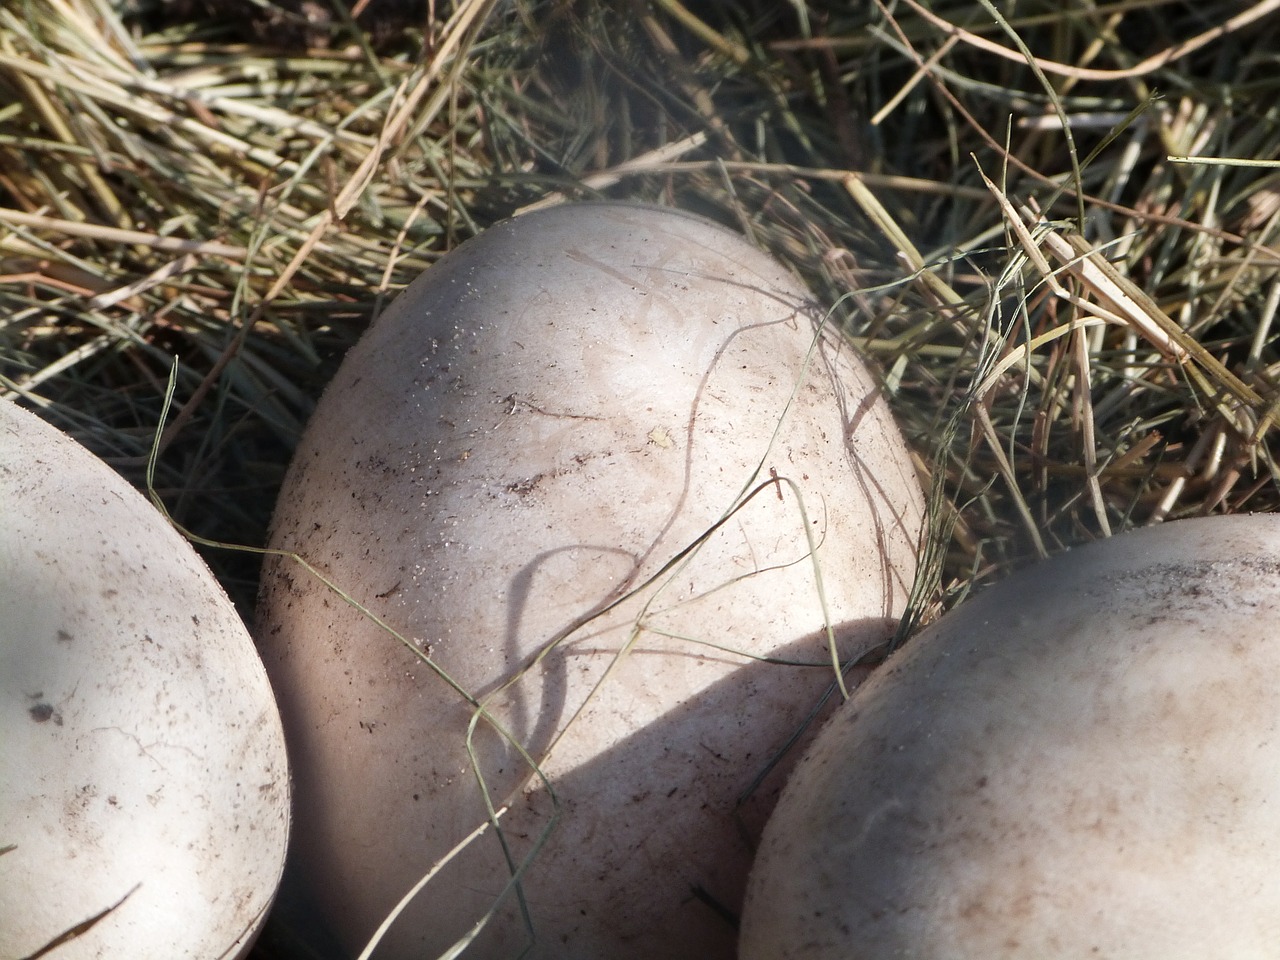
<point x="1072" y="318"/>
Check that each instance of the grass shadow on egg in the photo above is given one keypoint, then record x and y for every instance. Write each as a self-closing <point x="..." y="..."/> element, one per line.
<point x="653" y="835"/>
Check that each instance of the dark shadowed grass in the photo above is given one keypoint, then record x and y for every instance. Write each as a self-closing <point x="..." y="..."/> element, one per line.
<point x="1071" y="313"/>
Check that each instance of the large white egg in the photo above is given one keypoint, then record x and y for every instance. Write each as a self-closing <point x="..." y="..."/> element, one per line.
<point x="1083" y="761"/>
<point x="532" y="433"/>
<point x="144" y="792"/>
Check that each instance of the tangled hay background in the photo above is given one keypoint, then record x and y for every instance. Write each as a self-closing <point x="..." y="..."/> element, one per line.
<point x="1071" y="313"/>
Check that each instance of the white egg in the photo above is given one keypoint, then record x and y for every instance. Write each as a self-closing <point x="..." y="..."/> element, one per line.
<point x="144" y="794"/>
<point x="1083" y="761"/>
<point x="507" y="469"/>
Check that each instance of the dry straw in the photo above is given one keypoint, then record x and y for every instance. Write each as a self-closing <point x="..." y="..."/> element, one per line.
<point x="1072" y="315"/>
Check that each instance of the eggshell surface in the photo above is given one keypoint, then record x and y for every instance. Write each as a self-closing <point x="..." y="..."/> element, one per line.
<point x="1082" y="761"/>
<point x="144" y="795"/>
<point x="568" y="465"/>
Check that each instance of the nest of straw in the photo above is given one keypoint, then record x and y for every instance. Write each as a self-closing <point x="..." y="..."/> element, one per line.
<point x="1054" y="228"/>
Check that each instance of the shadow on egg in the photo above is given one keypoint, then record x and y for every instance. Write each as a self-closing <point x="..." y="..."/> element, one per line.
<point x="633" y="854"/>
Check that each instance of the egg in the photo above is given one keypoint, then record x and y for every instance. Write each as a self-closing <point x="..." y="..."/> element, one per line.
<point x="599" y="468"/>
<point x="1082" y="761"/>
<point x="144" y="791"/>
